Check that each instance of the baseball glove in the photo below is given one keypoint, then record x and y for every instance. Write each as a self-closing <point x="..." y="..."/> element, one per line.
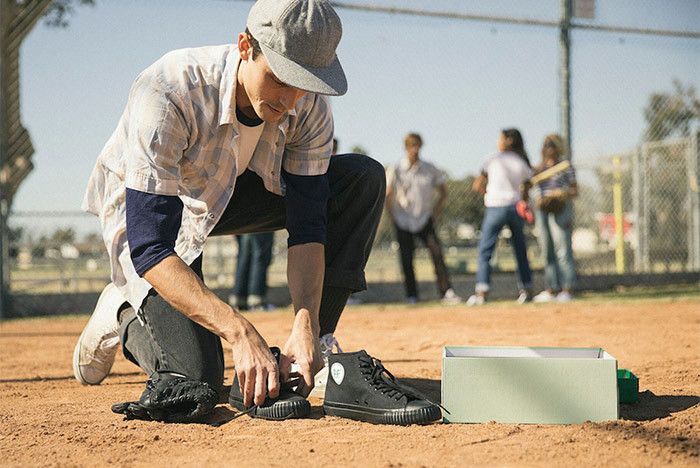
<point x="553" y="202"/>
<point x="171" y="397"/>
<point x="524" y="211"/>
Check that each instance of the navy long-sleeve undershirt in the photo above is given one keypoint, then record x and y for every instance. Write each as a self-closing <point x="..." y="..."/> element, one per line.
<point x="153" y="221"/>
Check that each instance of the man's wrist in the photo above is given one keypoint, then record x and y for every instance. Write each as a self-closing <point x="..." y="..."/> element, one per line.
<point x="309" y="320"/>
<point x="236" y="328"/>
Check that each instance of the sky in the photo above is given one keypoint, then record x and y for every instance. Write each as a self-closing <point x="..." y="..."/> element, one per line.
<point x="456" y="82"/>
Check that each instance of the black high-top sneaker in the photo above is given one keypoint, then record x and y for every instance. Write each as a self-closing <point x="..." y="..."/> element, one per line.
<point x="359" y="387"/>
<point x="288" y="405"/>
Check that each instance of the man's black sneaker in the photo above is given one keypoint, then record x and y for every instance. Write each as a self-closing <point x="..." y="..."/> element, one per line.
<point x="288" y="405"/>
<point x="359" y="387"/>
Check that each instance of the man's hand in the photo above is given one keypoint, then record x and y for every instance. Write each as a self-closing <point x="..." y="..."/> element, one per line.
<point x="257" y="371"/>
<point x="302" y="348"/>
<point x="183" y="289"/>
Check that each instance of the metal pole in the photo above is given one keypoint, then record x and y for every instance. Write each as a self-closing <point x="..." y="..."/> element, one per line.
<point x="637" y="207"/>
<point x="694" y="202"/>
<point x="619" y="217"/>
<point x="565" y="74"/>
<point x="645" y="223"/>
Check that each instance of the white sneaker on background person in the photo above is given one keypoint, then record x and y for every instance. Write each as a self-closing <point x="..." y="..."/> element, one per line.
<point x="524" y="297"/>
<point x="98" y="343"/>
<point x="450" y="298"/>
<point x="564" y="296"/>
<point x="544" y="296"/>
<point x="476" y="300"/>
<point x="327" y="343"/>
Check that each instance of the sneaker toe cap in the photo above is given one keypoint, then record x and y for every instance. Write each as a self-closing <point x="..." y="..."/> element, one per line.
<point x="89" y="375"/>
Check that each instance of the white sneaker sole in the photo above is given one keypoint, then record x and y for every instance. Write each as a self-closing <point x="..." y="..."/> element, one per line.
<point x="320" y="381"/>
<point x="81" y="373"/>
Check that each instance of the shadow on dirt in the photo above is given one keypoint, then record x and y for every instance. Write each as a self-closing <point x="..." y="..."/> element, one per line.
<point x="39" y="378"/>
<point x="650" y="406"/>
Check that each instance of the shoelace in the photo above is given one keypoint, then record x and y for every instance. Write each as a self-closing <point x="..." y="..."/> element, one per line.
<point x="385" y="382"/>
<point x="326" y="343"/>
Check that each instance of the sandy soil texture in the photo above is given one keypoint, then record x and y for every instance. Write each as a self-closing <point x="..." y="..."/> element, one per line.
<point x="47" y="418"/>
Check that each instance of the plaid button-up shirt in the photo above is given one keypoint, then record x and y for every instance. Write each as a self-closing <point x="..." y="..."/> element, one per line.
<point x="414" y="193"/>
<point x="179" y="136"/>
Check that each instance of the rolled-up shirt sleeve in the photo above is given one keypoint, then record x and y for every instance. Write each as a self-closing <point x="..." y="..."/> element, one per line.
<point x="307" y="150"/>
<point x="152" y="225"/>
<point x="307" y="205"/>
<point x="158" y="134"/>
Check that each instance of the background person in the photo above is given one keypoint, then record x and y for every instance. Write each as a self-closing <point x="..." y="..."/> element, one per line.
<point x="253" y="260"/>
<point x="554" y="217"/>
<point x="503" y="182"/>
<point x="411" y="188"/>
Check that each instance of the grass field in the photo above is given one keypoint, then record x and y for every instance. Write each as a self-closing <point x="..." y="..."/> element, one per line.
<point x="49" y="419"/>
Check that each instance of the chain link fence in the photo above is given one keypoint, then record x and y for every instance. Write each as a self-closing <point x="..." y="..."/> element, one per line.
<point x="638" y="209"/>
<point x="637" y="212"/>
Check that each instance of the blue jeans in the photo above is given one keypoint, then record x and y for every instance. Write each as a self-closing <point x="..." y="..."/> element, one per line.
<point x="254" y="257"/>
<point x="495" y="219"/>
<point x="555" y="243"/>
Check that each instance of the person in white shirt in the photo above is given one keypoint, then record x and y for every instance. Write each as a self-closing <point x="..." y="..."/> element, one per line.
<point x="411" y="188"/>
<point x="503" y="182"/>
<point x="223" y="140"/>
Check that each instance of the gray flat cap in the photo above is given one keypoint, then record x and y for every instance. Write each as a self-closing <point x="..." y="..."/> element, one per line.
<point x="298" y="38"/>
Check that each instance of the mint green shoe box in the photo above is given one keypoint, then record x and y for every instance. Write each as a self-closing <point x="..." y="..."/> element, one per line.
<point x="528" y="385"/>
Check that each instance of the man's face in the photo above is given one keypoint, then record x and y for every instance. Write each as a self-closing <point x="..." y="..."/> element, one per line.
<point x="269" y="97"/>
<point x="412" y="150"/>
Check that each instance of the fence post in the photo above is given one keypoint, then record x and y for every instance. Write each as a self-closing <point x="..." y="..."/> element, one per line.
<point x="565" y="73"/>
<point x="645" y="195"/>
<point x="619" y="217"/>
<point x="637" y="208"/>
<point x="694" y="201"/>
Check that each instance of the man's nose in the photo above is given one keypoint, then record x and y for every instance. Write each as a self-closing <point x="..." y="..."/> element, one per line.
<point x="291" y="96"/>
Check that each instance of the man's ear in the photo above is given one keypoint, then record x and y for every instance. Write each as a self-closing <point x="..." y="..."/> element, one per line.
<point x="244" y="48"/>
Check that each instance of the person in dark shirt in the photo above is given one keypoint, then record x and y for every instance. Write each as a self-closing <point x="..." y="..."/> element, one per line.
<point x="554" y="201"/>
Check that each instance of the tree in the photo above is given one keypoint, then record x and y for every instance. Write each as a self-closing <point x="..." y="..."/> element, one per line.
<point x="63" y="236"/>
<point x="57" y="13"/>
<point x="671" y="114"/>
<point x="463" y="204"/>
<point x="357" y="149"/>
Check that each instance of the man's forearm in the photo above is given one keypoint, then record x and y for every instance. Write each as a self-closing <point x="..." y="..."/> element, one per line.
<point x="175" y="282"/>
<point x="305" y="272"/>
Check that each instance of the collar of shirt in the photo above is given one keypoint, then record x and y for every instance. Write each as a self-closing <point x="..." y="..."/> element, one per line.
<point x="229" y="82"/>
<point x="406" y="166"/>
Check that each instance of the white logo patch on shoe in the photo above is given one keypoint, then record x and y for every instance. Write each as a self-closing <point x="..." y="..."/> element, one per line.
<point x="337" y="372"/>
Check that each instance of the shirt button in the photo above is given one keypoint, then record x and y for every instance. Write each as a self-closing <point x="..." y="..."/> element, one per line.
<point x="211" y="215"/>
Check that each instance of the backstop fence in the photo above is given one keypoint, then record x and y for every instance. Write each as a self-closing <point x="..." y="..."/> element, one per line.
<point x="637" y="212"/>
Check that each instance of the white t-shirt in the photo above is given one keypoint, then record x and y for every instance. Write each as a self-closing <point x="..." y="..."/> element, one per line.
<point x="248" y="140"/>
<point x="414" y="192"/>
<point x="506" y="172"/>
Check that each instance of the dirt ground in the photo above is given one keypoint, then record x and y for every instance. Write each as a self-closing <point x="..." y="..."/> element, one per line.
<point x="47" y="418"/>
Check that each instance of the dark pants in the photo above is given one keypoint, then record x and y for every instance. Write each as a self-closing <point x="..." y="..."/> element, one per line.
<point x="170" y="341"/>
<point x="407" y="247"/>
<point x="254" y="257"/>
